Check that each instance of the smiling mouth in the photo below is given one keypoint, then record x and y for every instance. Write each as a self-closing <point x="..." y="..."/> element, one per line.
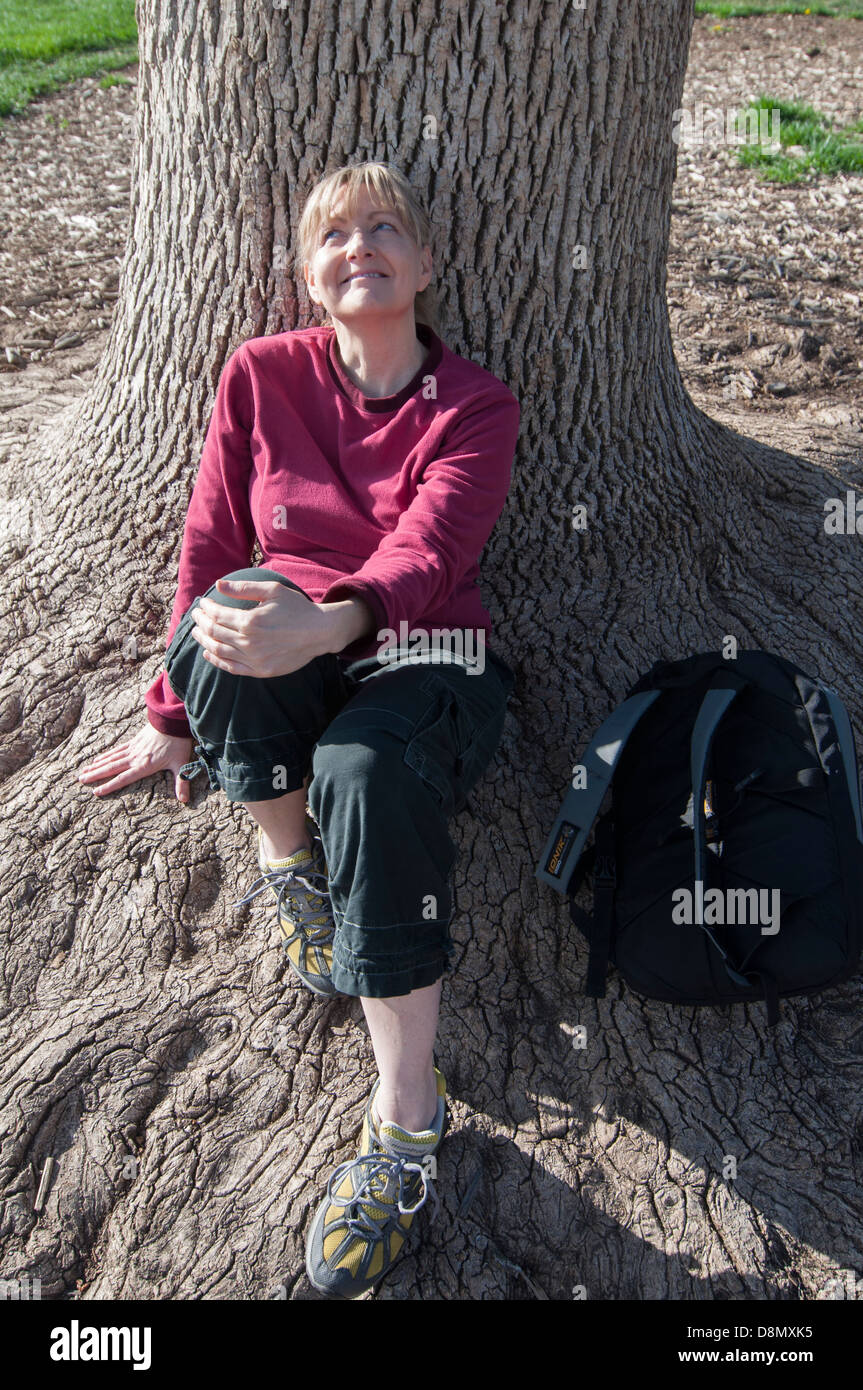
<point x="365" y="275"/>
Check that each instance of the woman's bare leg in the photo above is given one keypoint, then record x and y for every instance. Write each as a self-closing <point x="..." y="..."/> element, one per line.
<point x="403" y="1031"/>
<point x="283" y="821"/>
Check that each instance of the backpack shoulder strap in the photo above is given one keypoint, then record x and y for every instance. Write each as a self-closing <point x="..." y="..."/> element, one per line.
<point x="605" y="878"/>
<point x="845" y="734"/>
<point x="581" y="805"/>
<point x="713" y="707"/>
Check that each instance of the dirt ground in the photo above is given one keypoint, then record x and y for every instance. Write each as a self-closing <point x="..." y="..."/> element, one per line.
<point x="764" y="281"/>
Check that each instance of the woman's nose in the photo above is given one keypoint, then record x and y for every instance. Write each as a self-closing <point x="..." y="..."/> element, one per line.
<point x="356" y="245"/>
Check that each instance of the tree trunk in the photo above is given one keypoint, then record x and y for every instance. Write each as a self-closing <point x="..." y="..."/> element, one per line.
<point x="194" y="1096"/>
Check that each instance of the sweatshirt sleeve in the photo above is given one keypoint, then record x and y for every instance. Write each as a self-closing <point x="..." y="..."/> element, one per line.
<point x="440" y="536"/>
<point x="219" y="532"/>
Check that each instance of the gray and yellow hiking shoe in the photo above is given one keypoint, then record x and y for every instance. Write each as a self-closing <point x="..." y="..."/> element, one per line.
<point x="300" y="886"/>
<point x="361" y="1225"/>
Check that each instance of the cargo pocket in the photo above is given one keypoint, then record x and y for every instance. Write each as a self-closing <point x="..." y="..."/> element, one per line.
<point x="446" y="748"/>
<point x="431" y="749"/>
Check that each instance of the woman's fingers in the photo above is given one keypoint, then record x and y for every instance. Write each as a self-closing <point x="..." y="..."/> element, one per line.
<point x="223" y="624"/>
<point x="222" y="645"/>
<point x="119" y="764"/>
<point x="132" y="774"/>
<point x="205" y="640"/>
<point x="225" y="663"/>
<point x="226" y="657"/>
<point x="91" y="774"/>
<point x="218" y="618"/>
<point x="104" y="759"/>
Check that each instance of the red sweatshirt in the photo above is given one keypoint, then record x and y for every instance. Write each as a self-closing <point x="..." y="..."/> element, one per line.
<point x="388" y="498"/>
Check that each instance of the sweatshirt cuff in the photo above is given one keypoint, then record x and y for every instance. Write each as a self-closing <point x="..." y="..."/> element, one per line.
<point x="175" y="728"/>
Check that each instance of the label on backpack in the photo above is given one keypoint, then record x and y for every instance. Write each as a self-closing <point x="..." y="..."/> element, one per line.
<point x="562" y="845"/>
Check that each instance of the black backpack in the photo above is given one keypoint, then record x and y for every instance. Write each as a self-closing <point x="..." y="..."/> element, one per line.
<point x="739" y="776"/>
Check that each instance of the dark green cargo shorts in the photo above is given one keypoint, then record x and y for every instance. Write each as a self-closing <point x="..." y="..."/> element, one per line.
<point x="394" y="752"/>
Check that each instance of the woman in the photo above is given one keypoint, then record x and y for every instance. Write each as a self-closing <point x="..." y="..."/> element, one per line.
<point x="371" y="463"/>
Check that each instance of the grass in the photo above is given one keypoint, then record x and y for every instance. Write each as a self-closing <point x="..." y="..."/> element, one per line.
<point x="828" y="149"/>
<point x="732" y="9"/>
<point x="46" y="43"/>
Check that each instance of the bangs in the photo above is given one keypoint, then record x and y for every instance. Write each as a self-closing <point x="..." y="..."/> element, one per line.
<point x="349" y="188"/>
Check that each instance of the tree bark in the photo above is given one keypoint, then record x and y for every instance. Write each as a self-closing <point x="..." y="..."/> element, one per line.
<point x="194" y="1095"/>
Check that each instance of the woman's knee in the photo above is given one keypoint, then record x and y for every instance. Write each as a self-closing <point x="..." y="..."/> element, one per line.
<point x="255" y="574"/>
<point x="372" y="758"/>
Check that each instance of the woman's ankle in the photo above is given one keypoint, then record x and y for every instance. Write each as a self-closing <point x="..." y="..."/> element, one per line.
<point x="285" y="846"/>
<point x="283" y="824"/>
<point x="414" y="1111"/>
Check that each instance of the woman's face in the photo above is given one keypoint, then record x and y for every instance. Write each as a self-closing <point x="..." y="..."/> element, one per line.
<point x="366" y="265"/>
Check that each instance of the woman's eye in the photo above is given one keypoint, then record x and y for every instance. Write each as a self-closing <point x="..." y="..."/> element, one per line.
<point x="327" y="234"/>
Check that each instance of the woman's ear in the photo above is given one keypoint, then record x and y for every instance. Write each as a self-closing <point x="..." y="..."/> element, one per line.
<point x="312" y="293"/>
<point x="426" y="265"/>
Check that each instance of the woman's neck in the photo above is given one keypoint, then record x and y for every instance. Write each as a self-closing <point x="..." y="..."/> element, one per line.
<point x="381" y="360"/>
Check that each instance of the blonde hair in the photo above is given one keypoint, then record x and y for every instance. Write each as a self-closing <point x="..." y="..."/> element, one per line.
<point x="392" y="189"/>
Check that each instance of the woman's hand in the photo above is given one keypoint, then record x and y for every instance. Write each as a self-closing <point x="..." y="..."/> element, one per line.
<point x="282" y="634"/>
<point x="148" y="752"/>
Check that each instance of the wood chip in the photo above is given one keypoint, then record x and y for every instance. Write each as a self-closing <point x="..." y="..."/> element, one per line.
<point x="47" y="1171"/>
